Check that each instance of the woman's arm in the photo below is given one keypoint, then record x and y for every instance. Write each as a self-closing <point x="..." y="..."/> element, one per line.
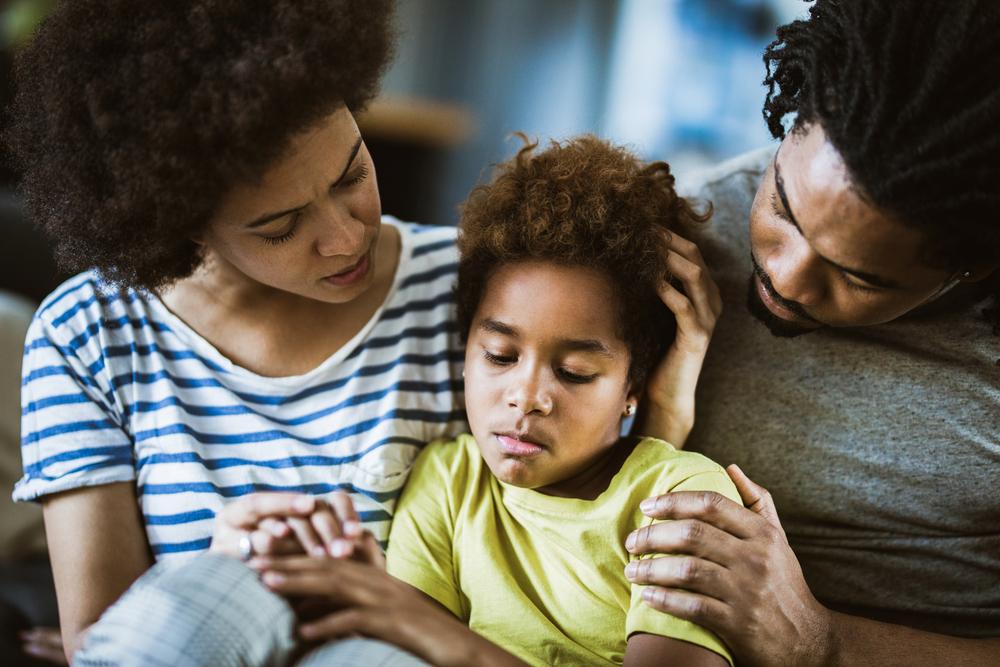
<point x="98" y="547"/>
<point x="655" y="650"/>
<point x="668" y="411"/>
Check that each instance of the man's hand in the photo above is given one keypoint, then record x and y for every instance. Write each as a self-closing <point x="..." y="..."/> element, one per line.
<point x="737" y="575"/>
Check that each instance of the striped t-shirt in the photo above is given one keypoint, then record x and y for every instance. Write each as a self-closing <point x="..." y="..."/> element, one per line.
<point x="116" y="388"/>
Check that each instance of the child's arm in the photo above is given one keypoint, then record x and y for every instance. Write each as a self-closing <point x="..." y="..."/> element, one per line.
<point x="375" y="604"/>
<point x="654" y="650"/>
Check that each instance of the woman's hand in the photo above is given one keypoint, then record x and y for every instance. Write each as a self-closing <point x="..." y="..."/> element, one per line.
<point x="290" y="523"/>
<point x="375" y="604"/>
<point x="671" y="387"/>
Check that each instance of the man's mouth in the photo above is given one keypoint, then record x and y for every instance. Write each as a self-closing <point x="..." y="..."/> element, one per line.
<point x="779" y="306"/>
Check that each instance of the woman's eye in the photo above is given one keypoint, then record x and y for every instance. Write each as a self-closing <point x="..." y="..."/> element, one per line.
<point x="361" y="175"/>
<point x="275" y="240"/>
<point x="498" y="359"/>
<point x="576" y="378"/>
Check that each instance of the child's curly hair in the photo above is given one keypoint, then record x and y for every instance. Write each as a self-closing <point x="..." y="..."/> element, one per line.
<point x="133" y="119"/>
<point x="582" y="202"/>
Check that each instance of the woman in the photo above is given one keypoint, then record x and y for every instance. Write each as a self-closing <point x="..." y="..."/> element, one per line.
<point x="252" y="324"/>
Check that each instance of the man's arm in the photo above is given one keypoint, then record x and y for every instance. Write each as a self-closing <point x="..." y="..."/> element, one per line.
<point x="737" y="576"/>
<point x="654" y="650"/>
<point x="98" y="547"/>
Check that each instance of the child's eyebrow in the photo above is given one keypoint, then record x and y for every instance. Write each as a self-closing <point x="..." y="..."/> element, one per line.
<point x="572" y="344"/>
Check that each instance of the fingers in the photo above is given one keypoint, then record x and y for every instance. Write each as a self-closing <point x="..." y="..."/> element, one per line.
<point x="307" y="536"/>
<point x="707" y="612"/>
<point x="248" y="511"/>
<point x="341" y="581"/>
<point x="706" y="506"/>
<point x="687" y="536"/>
<point x="754" y="496"/>
<point x="338" y="525"/>
<point x="44" y="643"/>
<point x="369" y="551"/>
<point x="692" y="574"/>
<point x="695" y="274"/>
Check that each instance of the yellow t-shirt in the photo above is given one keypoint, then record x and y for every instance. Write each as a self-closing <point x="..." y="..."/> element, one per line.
<point x="543" y="577"/>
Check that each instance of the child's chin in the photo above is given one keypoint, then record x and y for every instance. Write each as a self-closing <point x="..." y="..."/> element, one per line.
<point x="516" y="473"/>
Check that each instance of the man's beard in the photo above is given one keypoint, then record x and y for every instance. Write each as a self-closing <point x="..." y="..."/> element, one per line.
<point x="777" y="326"/>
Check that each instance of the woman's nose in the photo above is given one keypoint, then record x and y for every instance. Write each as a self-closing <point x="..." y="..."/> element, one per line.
<point x="341" y="234"/>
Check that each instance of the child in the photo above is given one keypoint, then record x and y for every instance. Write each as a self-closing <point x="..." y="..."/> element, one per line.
<point x="517" y="529"/>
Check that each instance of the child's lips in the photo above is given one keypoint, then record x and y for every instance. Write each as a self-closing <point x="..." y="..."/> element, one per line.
<point x="518" y="445"/>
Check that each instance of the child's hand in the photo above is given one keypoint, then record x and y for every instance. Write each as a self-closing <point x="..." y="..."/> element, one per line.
<point x="670" y="408"/>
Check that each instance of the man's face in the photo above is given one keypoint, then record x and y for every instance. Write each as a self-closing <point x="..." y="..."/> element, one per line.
<point x="823" y="256"/>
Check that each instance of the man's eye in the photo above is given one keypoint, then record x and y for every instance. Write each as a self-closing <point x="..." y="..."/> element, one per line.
<point x="861" y="287"/>
<point x="499" y="359"/>
<point x="776" y="209"/>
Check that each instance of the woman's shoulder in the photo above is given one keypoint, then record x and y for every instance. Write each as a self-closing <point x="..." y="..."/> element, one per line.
<point x="82" y="301"/>
<point x="428" y="253"/>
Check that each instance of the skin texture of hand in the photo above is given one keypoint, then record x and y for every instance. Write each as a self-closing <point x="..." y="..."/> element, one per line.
<point x="372" y="603"/>
<point x="289" y="523"/>
<point x="669" y="413"/>
<point x="735" y="575"/>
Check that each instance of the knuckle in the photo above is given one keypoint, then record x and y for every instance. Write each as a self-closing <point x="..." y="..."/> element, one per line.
<point x="687" y="570"/>
<point x="692" y="532"/>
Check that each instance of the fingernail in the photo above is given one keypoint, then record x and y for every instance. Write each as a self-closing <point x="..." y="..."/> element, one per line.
<point x="648" y="505"/>
<point x="318" y="551"/>
<point x="339" y="548"/>
<point x="630" y="541"/>
<point x="273" y="579"/>
<point x="630" y="570"/>
<point x="304" y="503"/>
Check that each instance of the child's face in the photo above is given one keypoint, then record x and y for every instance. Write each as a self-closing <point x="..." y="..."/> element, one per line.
<point x="546" y="373"/>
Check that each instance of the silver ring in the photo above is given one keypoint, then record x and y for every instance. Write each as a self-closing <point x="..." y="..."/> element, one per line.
<point x="245" y="547"/>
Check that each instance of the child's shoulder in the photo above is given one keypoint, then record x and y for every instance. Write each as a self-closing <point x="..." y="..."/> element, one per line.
<point x="661" y="467"/>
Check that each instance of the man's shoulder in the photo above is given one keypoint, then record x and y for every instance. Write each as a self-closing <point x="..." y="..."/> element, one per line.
<point x="737" y="175"/>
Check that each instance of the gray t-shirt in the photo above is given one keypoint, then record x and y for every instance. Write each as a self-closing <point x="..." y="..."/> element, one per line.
<point x="880" y="445"/>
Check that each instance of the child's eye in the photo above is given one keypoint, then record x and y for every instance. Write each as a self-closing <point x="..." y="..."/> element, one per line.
<point x="499" y="359"/>
<point x="576" y="378"/>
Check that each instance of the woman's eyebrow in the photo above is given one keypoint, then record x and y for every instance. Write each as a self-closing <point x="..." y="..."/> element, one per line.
<point x="268" y="217"/>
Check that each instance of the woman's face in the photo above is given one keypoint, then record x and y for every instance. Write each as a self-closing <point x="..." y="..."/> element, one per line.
<point x="546" y="373"/>
<point x="311" y="225"/>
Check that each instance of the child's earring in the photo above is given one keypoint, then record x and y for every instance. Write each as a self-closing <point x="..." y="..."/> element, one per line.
<point x="629" y="409"/>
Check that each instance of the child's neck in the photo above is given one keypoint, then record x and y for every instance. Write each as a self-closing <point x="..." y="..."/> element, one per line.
<point x="593" y="480"/>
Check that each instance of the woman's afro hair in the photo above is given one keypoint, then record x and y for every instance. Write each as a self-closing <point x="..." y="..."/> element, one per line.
<point x="587" y="203"/>
<point x="131" y="120"/>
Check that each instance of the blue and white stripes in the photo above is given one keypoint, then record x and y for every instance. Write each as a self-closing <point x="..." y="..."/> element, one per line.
<point x="116" y="388"/>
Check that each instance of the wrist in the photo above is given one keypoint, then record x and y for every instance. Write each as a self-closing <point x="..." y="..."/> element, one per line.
<point x="824" y="649"/>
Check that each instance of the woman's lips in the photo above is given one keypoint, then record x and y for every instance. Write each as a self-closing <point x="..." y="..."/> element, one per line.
<point x="513" y="446"/>
<point x="351" y="275"/>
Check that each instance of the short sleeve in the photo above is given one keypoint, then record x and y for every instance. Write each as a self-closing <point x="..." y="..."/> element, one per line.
<point x="643" y="618"/>
<point x="71" y="433"/>
<point x="420" y="541"/>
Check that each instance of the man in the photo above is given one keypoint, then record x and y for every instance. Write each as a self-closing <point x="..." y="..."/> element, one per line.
<point x="875" y="229"/>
